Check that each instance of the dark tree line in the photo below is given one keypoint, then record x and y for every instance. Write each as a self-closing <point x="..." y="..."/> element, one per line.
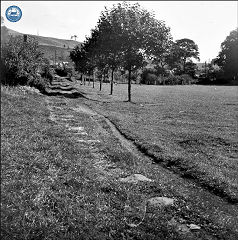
<point x="227" y="59"/>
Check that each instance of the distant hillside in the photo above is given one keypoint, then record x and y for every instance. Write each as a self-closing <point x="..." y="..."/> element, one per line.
<point x="53" y="48"/>
<point x="49" y="40"/>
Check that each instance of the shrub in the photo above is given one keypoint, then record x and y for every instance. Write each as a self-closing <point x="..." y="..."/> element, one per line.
<point x="20" y="59"/>
<point x="64" y="70"/>
<point x="45" y="70"/>
<point x="23" y="64"/>
<point x="61" y="72"/>
<point x="160" y="71"/>
<point x="151" y="78"/>
<point x="39" y="83"/>
<point x="186" y="79"/>
<point x="3" y="72"/>
<point x="172" y="80"/>
<point x="148" y="76"/>
<point x="183" y="79"/>
<point x="191" y="68"/>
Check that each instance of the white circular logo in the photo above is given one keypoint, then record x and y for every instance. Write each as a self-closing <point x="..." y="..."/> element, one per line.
<point x="13" y="14"/>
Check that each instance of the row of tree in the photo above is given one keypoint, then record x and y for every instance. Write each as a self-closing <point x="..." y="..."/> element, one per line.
<point x="127" y="37"/>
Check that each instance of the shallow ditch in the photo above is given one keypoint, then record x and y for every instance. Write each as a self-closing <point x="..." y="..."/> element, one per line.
<point x="210" y="199"/>
<point x="201" y="200"/>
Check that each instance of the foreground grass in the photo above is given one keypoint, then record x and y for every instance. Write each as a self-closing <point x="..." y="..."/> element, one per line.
<point x="50" y="188"/>
<point x="190" y="129"/>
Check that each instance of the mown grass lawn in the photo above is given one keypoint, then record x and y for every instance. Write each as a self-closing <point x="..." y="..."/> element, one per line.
<point x="190" y="129"/>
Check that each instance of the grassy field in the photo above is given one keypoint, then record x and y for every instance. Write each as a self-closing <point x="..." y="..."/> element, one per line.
<point x="189" y="129"/>
<point x="44" y="193"/>
<point x="53" y="187"/>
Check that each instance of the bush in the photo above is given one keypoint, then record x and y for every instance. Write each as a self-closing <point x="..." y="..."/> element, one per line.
<point x="160" y="71"/>
<point x="217" y="77"/>
<point x="21" y="59"/>
<point x="64" y="70"/>
<point x="148" y="76"/>
<point x="151" y="78"/>
<point x="3" y="72"/>
<point x="23" y="64"/>
<point x="186" y="79"/>
<point x="39" y="83"/>
<point x="61" y="72"/>
<point x="45" y="70"/>
<point x="172" y="80"/>
<point x="183" y="79"/>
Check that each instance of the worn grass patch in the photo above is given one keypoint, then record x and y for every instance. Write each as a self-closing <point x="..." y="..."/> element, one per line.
<point x="189" y="129"/>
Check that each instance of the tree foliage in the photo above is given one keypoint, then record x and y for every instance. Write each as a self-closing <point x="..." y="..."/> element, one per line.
<point x="127" y="36"/>
<point x="78" y="56"/>
<point x="228" y="57"/>
<point x="182" y="52"/>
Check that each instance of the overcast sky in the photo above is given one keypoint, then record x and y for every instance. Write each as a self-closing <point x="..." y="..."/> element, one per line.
<point x="207" y="23"/>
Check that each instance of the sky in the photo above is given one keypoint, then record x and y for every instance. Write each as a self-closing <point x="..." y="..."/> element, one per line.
<point x="207" y="23"/>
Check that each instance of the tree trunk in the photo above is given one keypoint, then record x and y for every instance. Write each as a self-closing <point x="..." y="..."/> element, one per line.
<point x="93" y="78"/>
<point x="129" y="86"/>
<point x="88" y="80"/>
<point x="84" y="80"/>
<point x="104" y="77"/>
<point x="100" y="84"/>
<point x="112" y="82"/>
<point x="184" y="63"/>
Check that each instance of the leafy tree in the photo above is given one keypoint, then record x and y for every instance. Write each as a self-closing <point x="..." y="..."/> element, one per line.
<point x="161" y="47"/>
<point x="132" y="34"/>
<point x="106" y="51"/>
<point x="183" y="51"/>
<point x="94" y="54"/>
<point x="88" y="56"/>
<point x="190" y="68"/>
<point x="78" y="56"/>
<point x="21" y="60"/>
<point x="228" y="57"/>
